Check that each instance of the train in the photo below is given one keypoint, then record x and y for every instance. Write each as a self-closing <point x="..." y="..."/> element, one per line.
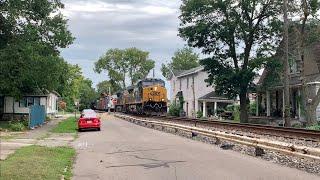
<point x="148" y="97"/>
<point x="106" y="102"/>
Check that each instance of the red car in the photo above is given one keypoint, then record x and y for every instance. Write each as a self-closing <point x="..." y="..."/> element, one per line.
<point x="89" y="120"/>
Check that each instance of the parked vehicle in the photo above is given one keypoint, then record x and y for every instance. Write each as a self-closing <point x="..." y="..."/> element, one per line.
<point x="89" y="120"/>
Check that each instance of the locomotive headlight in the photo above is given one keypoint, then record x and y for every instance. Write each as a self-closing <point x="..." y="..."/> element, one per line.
<point x="162" y="99"/>
<point x="155" y="88"/>
<point x="150" y="99"/>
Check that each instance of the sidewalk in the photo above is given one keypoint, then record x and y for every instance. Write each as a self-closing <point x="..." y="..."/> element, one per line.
<point x="39" y="136"/>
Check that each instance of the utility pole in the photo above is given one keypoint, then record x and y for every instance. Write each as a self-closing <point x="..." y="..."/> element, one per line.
<point x="153" y="73"/>
<point x="109" y="108"/>
<point x="286" y="76"/>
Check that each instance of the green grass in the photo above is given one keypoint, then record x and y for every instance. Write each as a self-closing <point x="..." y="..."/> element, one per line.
<point x="38" y="162"/>
<point x="66" y="126"/>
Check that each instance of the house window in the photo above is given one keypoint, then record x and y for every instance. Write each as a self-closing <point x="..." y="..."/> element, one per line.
<point x="187" y="82"/>
<point x="187" y="108"/>
<point x="180" y="84"/>
<point x="174" y="85"/>
<point x="37" y="101"/>
<point x="30" y="101"/>
<point x="293" y="66"/>
<point x="23" y="102"/>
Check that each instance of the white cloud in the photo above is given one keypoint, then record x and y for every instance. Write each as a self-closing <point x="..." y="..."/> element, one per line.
<point x="98" y="25"/>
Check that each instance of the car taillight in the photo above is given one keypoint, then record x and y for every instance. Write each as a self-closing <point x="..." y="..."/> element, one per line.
<point x="96" y="120"/>
<point x="82" y="121"/>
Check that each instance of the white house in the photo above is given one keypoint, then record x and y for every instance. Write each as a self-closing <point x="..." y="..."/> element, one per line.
<point x="198" y="96"/>
<point x="9" y="106"/>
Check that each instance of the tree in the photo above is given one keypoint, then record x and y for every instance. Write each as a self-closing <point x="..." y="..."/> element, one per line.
<point x="240" y="36"/>
<point x="130" y="62"/>
<point x="183" y="59"/>
<point x="88" y="95"/>
<point x="31" y="34"/>
<point x="104" y="86"/>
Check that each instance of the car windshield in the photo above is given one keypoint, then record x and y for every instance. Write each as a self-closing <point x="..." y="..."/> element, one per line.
<point x="89" y="115"/>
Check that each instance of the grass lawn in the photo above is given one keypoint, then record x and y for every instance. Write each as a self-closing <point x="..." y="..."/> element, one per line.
<point x="38" y="162"/>
<point x="66" y="126"/>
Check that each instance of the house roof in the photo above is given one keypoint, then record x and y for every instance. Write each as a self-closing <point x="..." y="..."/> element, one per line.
<point x="311" y="63"/>
<point x="213" y="96"/>
<point x="190" y="71"/>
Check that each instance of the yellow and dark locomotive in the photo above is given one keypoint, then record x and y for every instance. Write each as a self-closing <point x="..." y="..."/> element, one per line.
<point x="148" y="96"/>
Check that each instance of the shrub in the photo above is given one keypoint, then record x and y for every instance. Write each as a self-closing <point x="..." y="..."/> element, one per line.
<point x="17" y="126"/>
<point x="314" y="127"/>
<point x="235" y="109"/>
<point x="199" y="114"/>
<point x="253" y="108"/>
<point x="174" y="110"/>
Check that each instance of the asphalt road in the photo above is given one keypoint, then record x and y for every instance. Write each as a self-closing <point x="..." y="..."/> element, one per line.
<point x="122" y="150"/>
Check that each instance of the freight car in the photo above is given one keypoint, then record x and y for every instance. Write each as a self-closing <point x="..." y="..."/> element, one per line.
<point x="106" y="102"/>
<point x="148" y="96"/>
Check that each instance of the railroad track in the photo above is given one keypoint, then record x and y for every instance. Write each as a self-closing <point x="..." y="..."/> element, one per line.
<point x="308" y="135"/>
<point x="287" y="132"/>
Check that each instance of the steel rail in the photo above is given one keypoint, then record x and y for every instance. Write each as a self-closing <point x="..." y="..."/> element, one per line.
<point x="276" y="130"/>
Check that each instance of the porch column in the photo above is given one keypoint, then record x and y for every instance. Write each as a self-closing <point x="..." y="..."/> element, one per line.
<point x="204" y="107"/>
<point x="257" y="105"/>
<point x="215" y="108"/>
<point x="268" y="103"/>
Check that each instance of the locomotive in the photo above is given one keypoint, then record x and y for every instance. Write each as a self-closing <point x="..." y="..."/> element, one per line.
<point x="148" y="96"/>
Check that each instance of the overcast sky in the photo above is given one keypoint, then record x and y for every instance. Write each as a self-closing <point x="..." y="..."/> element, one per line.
<point x="98" y="25"/>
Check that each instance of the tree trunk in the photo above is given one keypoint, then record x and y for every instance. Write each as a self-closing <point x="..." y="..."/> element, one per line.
<point x="243" y="106"/>
<point x="286" y="77"/>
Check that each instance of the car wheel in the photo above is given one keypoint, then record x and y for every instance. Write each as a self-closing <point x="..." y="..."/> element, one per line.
<point x="80" y="130"/>
<point x="99" y="129"/>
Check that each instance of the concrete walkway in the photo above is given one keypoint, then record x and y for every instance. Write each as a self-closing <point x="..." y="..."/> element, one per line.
<point x="11" y="141"/>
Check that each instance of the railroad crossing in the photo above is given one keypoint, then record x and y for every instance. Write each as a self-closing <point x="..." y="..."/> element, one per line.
<point x="124" y="150"/>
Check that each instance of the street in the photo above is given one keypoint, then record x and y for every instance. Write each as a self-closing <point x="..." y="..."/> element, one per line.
<point x="122" y="150"/>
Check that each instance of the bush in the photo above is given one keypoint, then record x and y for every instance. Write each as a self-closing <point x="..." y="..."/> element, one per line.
<point x="253" y="108"/>
<point x="199" y="114"/>
<point x="17" y="126"/>
<point x="174" y="110"/>
<point x="235" y="109"/>
<point x="48" y="118"/>
<point x="314" y="127"/>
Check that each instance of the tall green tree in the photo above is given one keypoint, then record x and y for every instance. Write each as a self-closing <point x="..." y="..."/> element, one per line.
<point x="183" y="59"/>
<point x="88" y="95"/>
<point x="31" y="34"/>
<point x="104" y="86"/>
<point x="130" y="62"/>
<point x="239" y="35"/>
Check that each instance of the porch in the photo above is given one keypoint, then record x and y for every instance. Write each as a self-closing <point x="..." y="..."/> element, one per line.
<point x="210" y="104"/>
<point x="271" y="103"/>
